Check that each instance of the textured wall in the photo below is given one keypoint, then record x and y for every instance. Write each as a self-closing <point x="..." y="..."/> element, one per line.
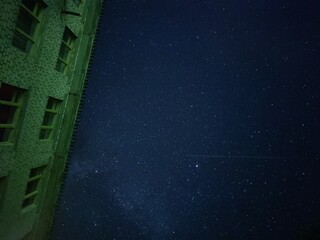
<point x="35" y="72"/>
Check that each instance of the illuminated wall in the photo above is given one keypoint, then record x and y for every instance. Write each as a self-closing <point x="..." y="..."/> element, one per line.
<point x="45" y="50"/>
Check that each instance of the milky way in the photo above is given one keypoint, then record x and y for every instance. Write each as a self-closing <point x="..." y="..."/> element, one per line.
<point x="200" y="122"/>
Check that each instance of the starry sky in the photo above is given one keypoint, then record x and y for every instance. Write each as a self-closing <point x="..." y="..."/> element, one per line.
<point x="200" y="121"/>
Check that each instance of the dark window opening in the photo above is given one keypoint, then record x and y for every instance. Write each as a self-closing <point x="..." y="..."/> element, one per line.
<point x="66" y="48"/>
<point x="49" y="118"/>
<point x="11" y="99"/>
<point x="3" y="184"/>
<point x="27" y="26"/>
<point x="33" y="186"/>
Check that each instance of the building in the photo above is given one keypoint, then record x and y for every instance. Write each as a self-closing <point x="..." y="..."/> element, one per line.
<point x="45" y="50"/>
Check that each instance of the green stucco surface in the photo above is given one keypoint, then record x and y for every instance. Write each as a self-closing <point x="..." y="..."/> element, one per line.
<point x="35" y="73"/>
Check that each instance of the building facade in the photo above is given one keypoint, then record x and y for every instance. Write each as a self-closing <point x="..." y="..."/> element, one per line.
<point x="45" y="50"/>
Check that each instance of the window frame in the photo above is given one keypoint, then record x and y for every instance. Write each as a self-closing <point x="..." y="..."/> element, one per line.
<point x="70" y="45"/>
<point x="37" y="16"/>
<point x="33" y="195"/>
<point x="17" y="102"/>
<point x="53" y="111"/>
<point x="3" y="188"/>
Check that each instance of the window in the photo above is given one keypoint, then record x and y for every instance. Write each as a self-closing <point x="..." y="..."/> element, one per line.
<point x="66" y="47"/>
<point x="50" y="118"/>
<point x="28" y="23"/>
<point x="33" y="186"/>
<point x="2" y="188"/>
<point x="11" y="99"/>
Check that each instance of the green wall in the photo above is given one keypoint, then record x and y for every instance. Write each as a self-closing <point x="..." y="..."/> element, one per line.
<point x="35" y="72"/>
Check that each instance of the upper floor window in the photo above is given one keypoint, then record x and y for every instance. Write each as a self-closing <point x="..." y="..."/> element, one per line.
<point x="50" y="118"/>
<point x="3" y="184"/>
<point x="66" y="48"/>
<point x="28" y="23"/>
<point x="33" y="186"/>
<point x="11" y="100"/>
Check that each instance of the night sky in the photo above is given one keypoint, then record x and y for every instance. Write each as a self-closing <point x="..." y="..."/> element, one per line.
<point x="200" y="121"/>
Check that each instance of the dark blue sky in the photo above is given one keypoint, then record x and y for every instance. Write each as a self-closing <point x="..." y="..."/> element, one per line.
<point x="200" y="122"/>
